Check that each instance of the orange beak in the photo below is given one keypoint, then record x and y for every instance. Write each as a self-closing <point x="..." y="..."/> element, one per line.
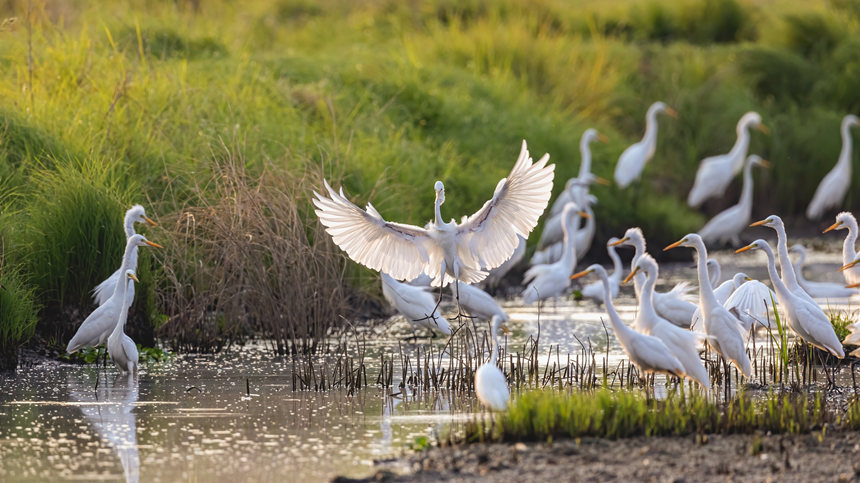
<point x="584" y="214"/>
<point x="149" y="220"/>
<point x="833" y="227"/>
<point x="602" y="138"/>
<point x="759" y="223"/>
<point x="133" y="277"/>
<point x="674" y="245"/>
<point x="579" y="274"/>
<point x="853" y="285"/>
<point x="603" y="181"/>
<point x="152" y="244"/>
<point x="746" y="248"/>
<point x="630" y="276"/>
<point x="764" y="163"/>
<point x="619" y="242"/>
<point x="764" y="129"/>
<point x="849" y="265"/>
<point x="671" y="112"/>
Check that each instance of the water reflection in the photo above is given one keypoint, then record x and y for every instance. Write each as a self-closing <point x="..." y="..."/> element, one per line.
<point x="108" y="409"/>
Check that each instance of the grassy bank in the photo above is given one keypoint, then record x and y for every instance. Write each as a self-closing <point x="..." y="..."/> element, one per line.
<point x="108" y="104"/>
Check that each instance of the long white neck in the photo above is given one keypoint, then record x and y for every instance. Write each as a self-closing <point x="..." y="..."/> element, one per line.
<point x="747" y="190"/>
<point x="739" y="151"/>
<point x="568" y="224"/>
<point x="845" y="153"/>
<point x="778" y="285"/>
<point x="128" y="258"/>
<point x="707" y="299"/>
<point x="616" y="262"/>
<point x="621" y="330"/>
<point x="495" y="356"/>
<point x="639" y="278"/>
<point x="128" y="224"/>
<point x="650" y="137"/>
<point x="122" y="285"/>
<point x="438" y="212"/>
<point x="798" y="266"/>
<point x="784" y="261"/>
<point x="848" y="251"/>
<point x="585" y="151"/>
<point x="646" y="301"/>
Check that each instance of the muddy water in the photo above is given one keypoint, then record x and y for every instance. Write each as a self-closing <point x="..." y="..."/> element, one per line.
<point x="235" y="416"/>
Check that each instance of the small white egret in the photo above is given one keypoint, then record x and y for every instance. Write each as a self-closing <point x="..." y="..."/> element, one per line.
<point x="415" y="303"/>
<point x="103" y="291"/>
<point x="728" y="224"/>
<point x="632" y="160"/>
<point x="786" y="269"/>
<point x="649" y="353"/>
<point x="846" y="220"/>
<point x="122" y="350"/>
<point x="831" y="191"/>
<point x="594" y="290"/>
<point x="822" y="290"/>
<point x="671" y="305"/>
<point x="98" y="325"/>
<point x="479" y="303"/>
<point x="580" y="184"/>
<point x="716" y="172"/>
<point x="721" y="326"/>
<point x="462" y="251"/>
<point x="490" y="384"/>
<point x="805" y="318"/>
<point x="682" y="343"/>
<point x="552" y="280"/>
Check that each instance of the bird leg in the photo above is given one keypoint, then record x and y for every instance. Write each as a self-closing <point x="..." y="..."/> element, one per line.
<point x="460" y="313"/>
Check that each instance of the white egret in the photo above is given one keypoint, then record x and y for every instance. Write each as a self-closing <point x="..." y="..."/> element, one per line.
<point x="831" y="191"/>
<point x="722" y="293"/>
<point x="715" y="272"/>
<point x="98" y="325"/>
<point x="670" y="305"/>
<point x="497" y="274"/>
<point x="463" y="251"/>
<point x="721" y="327"/>
<point x="580" y="184"/>
<point x="103" y="291"/>
<point x="751" y="302"/>
<point x="552" y="280"/>
<point x="632" y="160"/>
<point x="479" y="303"/>
<point x="649" y="353"/>
<point x="804" y="318"/>
<point x="582" y="236"/>
<point x="682" y="343"/>
<point x="594" y="290"/>
<point x="415" y="303"/>
<point x="728" y="224"/>
<point x="490" y="384"/>
<point x="122" y="350"/>
<point x="846" y="220"/>
<point x="787" y="270"/>
<point x="716" y="172"/>
<point x="552" y="233"/>
<point x="853" y="338"/>
<point x="816" y="289"/>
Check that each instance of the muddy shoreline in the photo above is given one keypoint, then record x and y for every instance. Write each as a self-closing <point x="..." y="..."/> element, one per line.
<point x="818" y="456"/>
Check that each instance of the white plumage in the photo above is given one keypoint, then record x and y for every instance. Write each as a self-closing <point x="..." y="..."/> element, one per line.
<point x="415" y="303"/>
<point x="103" y="291"/>
<point x="123" y="350"/>
<point x="594" y="290"/>
<point x="584" y="178"/>
<point x="831" y="191"/>
<point x="822" y="290"/>
<point x="632" y="160"/>
<point x="479" y="303"/>
<point x="752" y="303"/>
<point x="785" y="266"/>
<point x="716" y="172"/>
<point x="552" y="280"/>
<point x="846" y="221"/>
<point x="463" y="251"/>
<point x="497" y="274"/>
<point x="490" y="384"/>
<point x="728" y="224"/>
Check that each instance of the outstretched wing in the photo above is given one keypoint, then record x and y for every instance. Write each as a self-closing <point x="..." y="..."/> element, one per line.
<point x="490" y="235"/>
<point x="397" y="249"/>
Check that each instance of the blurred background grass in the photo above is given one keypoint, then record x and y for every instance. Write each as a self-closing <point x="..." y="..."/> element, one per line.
<point x="105" y="104"/>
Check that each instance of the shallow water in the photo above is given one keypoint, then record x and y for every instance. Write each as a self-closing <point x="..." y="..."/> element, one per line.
<point x="235" y="416"/>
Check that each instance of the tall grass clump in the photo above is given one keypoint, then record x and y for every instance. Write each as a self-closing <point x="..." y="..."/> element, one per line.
<point x="247" y="256"/>
<point x="18" y="315"/>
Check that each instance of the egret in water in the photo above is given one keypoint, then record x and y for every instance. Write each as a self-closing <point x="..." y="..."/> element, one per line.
<point x="96" y="328"/>
<point x="728" y="224"/>
<point x="552" y="280"/>
<point x="833" y="187"/>
<point x="787" y="270"/>
<point x="415" y="303"/>
<point x="721" y="327"/>
<point x="490" y="384"/>
<point x="479" y="303"/>
<point x="805" y="318"/>
<point x="649" y="353"/>
<point x="122" y="350"/>
<point x="632" y="160"/>
<point x="716" y="172"/>
<point x="579" y="185"/>
<point x="682" y="343"/>
<point x="671" y="305"/>
<point x="104" y="290"/>
<point x="594" y="290"/>
<point x="816" y="289"/>
<point x="846" y="221"/>
<point x="462" y="251"/>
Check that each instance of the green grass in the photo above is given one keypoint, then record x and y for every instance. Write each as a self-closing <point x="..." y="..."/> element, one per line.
<point x="131" y="102"/>
<point x="18" y="315"/>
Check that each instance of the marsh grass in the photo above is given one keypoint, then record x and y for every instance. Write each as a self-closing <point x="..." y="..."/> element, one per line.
<point x="18" y="314"/>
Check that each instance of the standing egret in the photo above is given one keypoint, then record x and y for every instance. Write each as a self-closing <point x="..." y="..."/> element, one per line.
<point x="632" y="160"/>
<point x="103" y="291"/>
<point x="122" y="350"/>
<point x="805" y="318"/>
<point x="846" y="220"/>
<point x="582" y="235"/>
<point x="816" y="289"/>
<point x="490" y="384"/>
<point x="98" y="325"/>
<point x="721" y="327"/>
<point x="479" y="303"/>
<point x="594" y="290"/>
<point x="415" y="303"/>
<point x="833" y="187"/>
<point x="462" y="251"/>
<point x="728" y="224"/>
<point x="552" y="280"/>
<point x="583" y="179"/>
<point x="716" y="172"/>
<point x="670" y="305"/>
<point x="552" y="226"/>
<point x="787" y="270"/>
<point x="649" y="353"/>
<point x="497" y="274"/>
<point x="682" y="343"/>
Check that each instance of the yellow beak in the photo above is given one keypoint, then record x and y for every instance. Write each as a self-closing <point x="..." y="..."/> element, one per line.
<point x="152" y="244"/>
<point x="674" y="245"/>
<point x="149" y="220"/>
<point x="671" y="112"/>
<point x="630" y="276"/>
<point x="746" y="248"/>
<point x="833" y="226"/>
<point x="133" y="277"/>
<point x="602" y="138"/>
<point x="764" y="129"/>
<point x="853" y="285"/>
<point x="619" y="242"/>
<point x="579" y="274"/>
<point x="759" y="223"/>
<point x="603" y="181"/>
<point x="849" y="265"/>
<point x="764" y="163"/>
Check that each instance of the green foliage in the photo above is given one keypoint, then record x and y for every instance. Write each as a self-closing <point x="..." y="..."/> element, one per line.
<point x="841" y="322"/>
<point x="18" y="315"/>
<point x="420" y="443"/>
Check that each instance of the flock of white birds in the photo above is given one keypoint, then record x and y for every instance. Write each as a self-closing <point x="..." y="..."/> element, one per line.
<point x="669" y="329"/>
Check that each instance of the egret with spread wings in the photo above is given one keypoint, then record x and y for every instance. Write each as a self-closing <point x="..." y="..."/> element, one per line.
<point x="462" y="251"/>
